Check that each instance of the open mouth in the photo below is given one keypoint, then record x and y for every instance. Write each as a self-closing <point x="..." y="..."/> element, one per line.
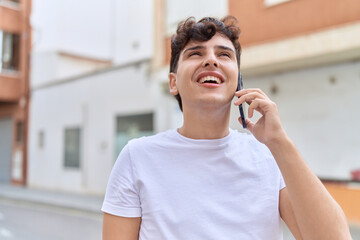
<point x="210" y="79"/>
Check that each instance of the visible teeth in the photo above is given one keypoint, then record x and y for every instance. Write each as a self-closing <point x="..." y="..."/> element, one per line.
<point x="210" y="78"/>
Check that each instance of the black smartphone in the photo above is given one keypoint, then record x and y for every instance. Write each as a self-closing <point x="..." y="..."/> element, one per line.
<point x="241" y="109"/>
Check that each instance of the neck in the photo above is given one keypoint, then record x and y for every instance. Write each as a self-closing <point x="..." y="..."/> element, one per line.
<point x="206" y="123"/>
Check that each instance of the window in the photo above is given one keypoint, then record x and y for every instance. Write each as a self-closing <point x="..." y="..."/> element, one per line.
<point x="9" y="52"/>
<point x="19" y="132"/>
<point x="132" y="126"/>
<point x="270" y="3"/>
<point x="72" y="146"/>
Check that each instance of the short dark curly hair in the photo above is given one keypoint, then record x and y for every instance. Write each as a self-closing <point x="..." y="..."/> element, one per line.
<point x="202" y="31"/>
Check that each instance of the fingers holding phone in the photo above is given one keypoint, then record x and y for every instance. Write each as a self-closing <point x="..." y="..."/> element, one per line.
<point x="269" y="125"/>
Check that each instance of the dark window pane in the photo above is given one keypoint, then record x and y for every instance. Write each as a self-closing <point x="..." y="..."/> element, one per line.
<point x="144" y="122"/>
<point x="72" y="148"/>
<point x="132" y="126"/>
<point x="19" y="132"/>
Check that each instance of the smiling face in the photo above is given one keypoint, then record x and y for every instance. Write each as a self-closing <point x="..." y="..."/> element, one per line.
<point x="207" y="73"/>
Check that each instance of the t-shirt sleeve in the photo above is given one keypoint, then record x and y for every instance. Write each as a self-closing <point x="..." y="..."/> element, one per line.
<point x="122" y="198"/>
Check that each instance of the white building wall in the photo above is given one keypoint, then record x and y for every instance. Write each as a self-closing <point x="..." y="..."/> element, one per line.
<point x="134" y="25"/>
<point x="92" y="103"/>
<point x="69" y="66"/>
<point x="180" y="10"/>
<point x="80" y="27"/>
<point x="112" y="31"/>
<point x="103" y="34"/>
<point x="51" y="66"/>
<point x="318" y="107"/>
<point x="43" y="67"/>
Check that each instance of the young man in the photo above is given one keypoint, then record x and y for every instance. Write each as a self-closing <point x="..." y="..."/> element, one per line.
<point x="206" y="181"/>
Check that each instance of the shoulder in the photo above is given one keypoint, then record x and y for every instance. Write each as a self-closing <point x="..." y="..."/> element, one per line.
<point x="251" y="144"/>
<point x="158" y="140"/>
<point x="138" y="149"/>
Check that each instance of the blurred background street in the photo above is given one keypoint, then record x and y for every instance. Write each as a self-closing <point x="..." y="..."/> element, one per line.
<point x="79" y="79"/>
<point x="38" y="215"/>
<point x="39" y="222"/>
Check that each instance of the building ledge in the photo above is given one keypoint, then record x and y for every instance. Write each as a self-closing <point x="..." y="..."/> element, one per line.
<point x="10" y="17"/>
<point x="56" y="82"/>
<point x="319" y="48"/>
<point x="10" y="87"/>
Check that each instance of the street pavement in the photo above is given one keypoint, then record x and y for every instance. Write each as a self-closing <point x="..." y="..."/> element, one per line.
<point x="85" y="202"/>
<point x="355" y="231"/>
<point x="31" y="214"/>
<point x="29" y="221"/>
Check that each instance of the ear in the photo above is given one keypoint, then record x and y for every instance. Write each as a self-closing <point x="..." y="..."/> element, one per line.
<point x="172" y="84"/>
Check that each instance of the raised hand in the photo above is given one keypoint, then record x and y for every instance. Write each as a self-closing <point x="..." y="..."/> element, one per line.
<point x="268" y="128"/>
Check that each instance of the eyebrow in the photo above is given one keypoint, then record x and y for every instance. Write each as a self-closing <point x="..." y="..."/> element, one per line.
<point x="202" y="47"/>
<point x="193" y="48"/>
<point x="225" y="48"/>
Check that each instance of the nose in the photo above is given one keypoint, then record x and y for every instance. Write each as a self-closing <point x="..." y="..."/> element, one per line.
<point x="211" y="60"/>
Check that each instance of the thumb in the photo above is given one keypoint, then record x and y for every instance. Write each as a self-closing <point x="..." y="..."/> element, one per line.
<point x="249" y="124"/>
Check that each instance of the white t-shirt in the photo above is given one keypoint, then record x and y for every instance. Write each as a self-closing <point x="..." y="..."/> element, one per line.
<point x="184" y="188"/>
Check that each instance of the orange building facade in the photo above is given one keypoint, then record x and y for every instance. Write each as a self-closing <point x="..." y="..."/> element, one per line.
<point x="15" y="43"/>
<point x="261" y="24"/>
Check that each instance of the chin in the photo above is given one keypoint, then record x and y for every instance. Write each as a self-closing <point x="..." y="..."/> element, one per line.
<point x="215" y="103"/>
